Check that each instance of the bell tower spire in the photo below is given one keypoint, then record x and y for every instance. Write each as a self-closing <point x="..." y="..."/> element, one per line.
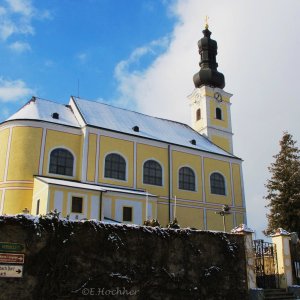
<point x="210" y="104"/>
<point x="208" y="74"/>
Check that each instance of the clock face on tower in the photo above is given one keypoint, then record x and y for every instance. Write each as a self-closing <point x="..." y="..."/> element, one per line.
<point x="218" y="96"/>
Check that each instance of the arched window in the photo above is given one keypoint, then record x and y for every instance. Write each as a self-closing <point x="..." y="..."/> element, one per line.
<point x="61" y="162"/>
<point x="115" y="166"/>
<point x="218" y="113"/>
<point x="217" y="184"/>
<point x="198" y="114"/>
<point x="186" y="179"/>
<point x="152" y="173"/>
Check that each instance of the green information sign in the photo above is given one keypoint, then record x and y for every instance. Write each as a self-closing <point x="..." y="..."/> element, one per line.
<point x="11" y="247"/>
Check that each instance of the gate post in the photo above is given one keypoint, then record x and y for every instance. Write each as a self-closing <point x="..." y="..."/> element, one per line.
<point x="249" y="253"/>
<point x="282" y="240"/>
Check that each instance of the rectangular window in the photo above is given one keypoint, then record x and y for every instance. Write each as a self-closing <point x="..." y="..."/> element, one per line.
<point x="77" y="205"/>
<point x="127" y="214"/>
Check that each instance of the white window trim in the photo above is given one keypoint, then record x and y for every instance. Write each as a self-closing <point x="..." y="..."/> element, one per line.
<point x="225" y="181"/>
<point x="196" y="179"/>
<point x="74" y="162"/>
<point x="162" y="172"/>
<point x="126" y="167"/>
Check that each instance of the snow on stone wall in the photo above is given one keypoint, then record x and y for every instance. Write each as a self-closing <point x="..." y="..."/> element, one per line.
<point x="92" y="260"/>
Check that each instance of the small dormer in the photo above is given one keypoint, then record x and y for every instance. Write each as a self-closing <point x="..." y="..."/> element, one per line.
<point x="136" y="128"/>
<point x="55" y="115"/>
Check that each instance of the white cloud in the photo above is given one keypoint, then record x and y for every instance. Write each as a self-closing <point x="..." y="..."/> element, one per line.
<point x="20" y="47"/>
<point x="14" y="90"/>
<point x="7" y="28"/>
<point x="17" y="16"/>
<point x="258" y="56"/>
<point x="128" y="77"/>
<point x="23" y="7"/>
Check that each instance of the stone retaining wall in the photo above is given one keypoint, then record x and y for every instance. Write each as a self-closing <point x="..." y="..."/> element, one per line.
<point x="93" y="260"/>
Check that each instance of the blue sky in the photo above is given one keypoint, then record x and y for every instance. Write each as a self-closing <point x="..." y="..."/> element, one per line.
<point x="57" y="43"/>
<point x="142" y="54"/>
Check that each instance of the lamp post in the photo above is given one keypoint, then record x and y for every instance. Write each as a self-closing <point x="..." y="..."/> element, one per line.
<point x="225" y="211"/>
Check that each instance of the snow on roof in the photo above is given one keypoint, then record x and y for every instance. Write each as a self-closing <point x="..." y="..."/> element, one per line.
<point x="42" y="110"/>
<point x="117" y="119"/>
<point x="93" y="187"/>
<point x="122" y="120"/>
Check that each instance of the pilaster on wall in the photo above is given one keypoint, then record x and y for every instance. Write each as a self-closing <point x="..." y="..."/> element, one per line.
<point x="249" y="253"/>
<point x="281" y="239"/>
<point x="84" y="154"/>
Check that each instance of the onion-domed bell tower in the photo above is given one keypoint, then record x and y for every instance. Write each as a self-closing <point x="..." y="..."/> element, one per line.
<point x="210" y="104"/>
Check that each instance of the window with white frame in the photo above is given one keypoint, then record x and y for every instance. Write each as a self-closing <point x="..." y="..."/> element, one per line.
<point x="61" y="162"/>
<point x="187" y="179"/>
<point x="217" y="184"/>
<point x="152" y="173"/>
<point x="115" y="167"/>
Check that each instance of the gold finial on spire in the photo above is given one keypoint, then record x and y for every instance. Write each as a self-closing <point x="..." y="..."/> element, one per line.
<point x="206" y="22"/>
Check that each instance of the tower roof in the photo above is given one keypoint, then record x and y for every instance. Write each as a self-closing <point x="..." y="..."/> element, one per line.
<point x="208" y="74"/>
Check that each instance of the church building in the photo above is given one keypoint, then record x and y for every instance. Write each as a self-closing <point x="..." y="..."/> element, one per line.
<point x="90" y="160"/>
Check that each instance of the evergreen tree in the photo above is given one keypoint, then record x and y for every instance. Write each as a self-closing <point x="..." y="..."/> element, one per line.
<point x="284" y="188"/>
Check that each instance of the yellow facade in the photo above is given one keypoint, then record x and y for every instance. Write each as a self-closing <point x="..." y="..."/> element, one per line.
<point x="222" y="167"/>
<point x="25" y="176"/>
<point x="92" y="152"/>
<point x="4" y="135"/>
<point x="190" y="217"/>
<point x="222" y="142"/>
<point x="215" y="221"/>
<point x="125" y="149"/>
<point x="192" y="210"/>
<point x="41" y="194"/>
<point x="24" y="153"/>
<point x="238" y="194"/>
<point x="160" y="155"/>
<point x="58" y="139"/>
<point x="179" y="160"/>
<point x="216" y="122"/>
<point x="46" y="194"/>
<point x="240" y="218"/>
<point x="211" y="115"/>
<point x="16" y="200"/>
<point x="163" y="213"/>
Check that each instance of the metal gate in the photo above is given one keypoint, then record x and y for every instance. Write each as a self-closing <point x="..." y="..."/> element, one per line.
<point x="266" y="268"/>
<point x="295" y="256"/>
